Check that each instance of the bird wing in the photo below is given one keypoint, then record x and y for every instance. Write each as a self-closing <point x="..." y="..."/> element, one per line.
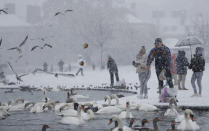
<point x="57" y="13"/>
<point x="12" y="68"/>
<point x="23" y="75"/>
<point x="68" y="10"/>
<point x="24" y="41"/>
<point x="4" y="11"/>
<point x="48" y="45"/>
<point x="13" y="48"/>
<point x="0" y="41"/>
<point x="33" y="48"/>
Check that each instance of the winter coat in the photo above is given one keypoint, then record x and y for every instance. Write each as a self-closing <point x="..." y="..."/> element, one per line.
<point x="81" y="63"/>
<point x="198" y="62"/>
<point x="141" y="63"/>
<point x="173" y="64"/>
<point x="181" y="63"/>
<point x="162" y="58"/>
<point x="111" y="65"/>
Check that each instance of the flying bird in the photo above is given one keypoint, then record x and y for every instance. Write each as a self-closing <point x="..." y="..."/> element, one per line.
<point x="18" y="48"/>
<point x="68" y="10"/>
<point x="18" y="77"/>
<point x="0" y="41"/>
<point x="41" y="47"/>
<point x="58" y="13"/>
<point x="2" y="10"/>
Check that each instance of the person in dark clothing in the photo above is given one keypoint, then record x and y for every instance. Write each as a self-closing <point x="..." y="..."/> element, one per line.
<point x="113" y="70"/>
<point x="162" y="57"/>
<point x="198" y="66"/>
<point x="181" y="64"/>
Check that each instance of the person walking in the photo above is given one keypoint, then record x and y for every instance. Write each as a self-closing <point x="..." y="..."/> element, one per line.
<point x="198" y="66"/>
<point x="181" y="64"/>
<point x="162" y="56"/>
<point x="143" y="73"/>
<point x="113" y="70"/>
<point x="80" y="65"/>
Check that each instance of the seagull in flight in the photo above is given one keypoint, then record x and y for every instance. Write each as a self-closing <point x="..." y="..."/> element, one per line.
<point x="62" y="13"/>
<point x="18" y="77"/>
<point x="18" y="48"/>
<point x="41" y="47"/>
<point x="3" y="11"/>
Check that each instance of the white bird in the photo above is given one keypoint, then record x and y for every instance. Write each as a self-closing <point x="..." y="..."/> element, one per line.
<point x="172" y="108"/>
<point x="114" y="96"/>
<point x="108" y="110"/>
<point x="126" y="114"/>
<point x="188" y="122"/>
<point x="77" y="120"/>
<point x="120" y="125"/>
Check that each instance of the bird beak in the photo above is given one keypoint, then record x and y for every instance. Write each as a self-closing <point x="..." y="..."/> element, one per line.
<point x="192" y="117"/>
<point x="48" y="126"/>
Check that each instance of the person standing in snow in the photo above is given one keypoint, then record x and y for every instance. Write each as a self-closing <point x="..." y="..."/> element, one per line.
<point x="162" y="56"/>
<point x="173" y="68"/>
<point x="113" y="70"/>
<point x="143" y="73"/>
<point x="81" y="63"/>
<point x="181" y="64"/>
<point x="198" y="66"/>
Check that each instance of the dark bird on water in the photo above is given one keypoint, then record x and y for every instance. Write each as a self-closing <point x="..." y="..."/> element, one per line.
<point x="18" y="48"/>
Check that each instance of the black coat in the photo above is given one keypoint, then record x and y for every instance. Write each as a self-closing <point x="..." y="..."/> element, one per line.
<point x="181" y="63"/>
<point x="197" y="63"/>
<point x="111" y="65"/>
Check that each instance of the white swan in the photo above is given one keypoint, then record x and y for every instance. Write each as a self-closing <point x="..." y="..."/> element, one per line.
<point x="16" y="106"/>
<point x="89" y="115"/>
<point x="114" y="96"/>
<point x="120" y="125"/>
<point x="108" y="110"/>
<point x="127" y="113"/>
<point x="77" y="120"/>
<point x="187" y="123"/>
<point x="3" y="114"/>
<point x="37" y="108"/>
<point x="108" y="99"/>
<point x="146" y="107"/>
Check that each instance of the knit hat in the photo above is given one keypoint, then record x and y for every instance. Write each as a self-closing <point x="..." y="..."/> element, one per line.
<point x="158" y="40"/>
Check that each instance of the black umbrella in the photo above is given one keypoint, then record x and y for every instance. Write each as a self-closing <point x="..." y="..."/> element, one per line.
<point x="189" y="41"/>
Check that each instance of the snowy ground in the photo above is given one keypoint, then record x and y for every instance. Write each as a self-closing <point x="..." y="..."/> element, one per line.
<point x="125" y="72"/>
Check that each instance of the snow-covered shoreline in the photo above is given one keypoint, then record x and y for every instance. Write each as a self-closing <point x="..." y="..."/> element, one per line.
<point x="97" y="78"/>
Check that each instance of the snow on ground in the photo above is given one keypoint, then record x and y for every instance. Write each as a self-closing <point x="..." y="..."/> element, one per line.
<point x="125" y="72"/>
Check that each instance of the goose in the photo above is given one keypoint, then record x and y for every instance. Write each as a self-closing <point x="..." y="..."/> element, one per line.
<point x="77" y="120"/>
<point x="173" y="126"/>
<point x="114" y="96"/>
<point x="119" y="125"/>
<point x="172" y="108"/>
<point x="126" y="114"/>
<point x="142" y="127"/>
<point x="188" y="122"/>
<point x="44" y="127"/>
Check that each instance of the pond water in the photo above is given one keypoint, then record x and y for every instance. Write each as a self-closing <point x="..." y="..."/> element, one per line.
<point x="26" y="121"/>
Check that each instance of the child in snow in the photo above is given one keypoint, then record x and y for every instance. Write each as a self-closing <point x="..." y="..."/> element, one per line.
<point x="181" y="63"/>
<point x="80" y="64"/>
<point x="198" y="66"/>
<point x="143" y="73"/>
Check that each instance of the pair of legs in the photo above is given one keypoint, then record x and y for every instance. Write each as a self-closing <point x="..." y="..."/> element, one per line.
<point x="174" y="76"/>
<point x="197" y="76"/>
<point x="143" y="79"/>
<point x="181" y="81"/>
<point x="80" y="70"/>
<point x="168" y="78"/>
<point x="112" y="73"/>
